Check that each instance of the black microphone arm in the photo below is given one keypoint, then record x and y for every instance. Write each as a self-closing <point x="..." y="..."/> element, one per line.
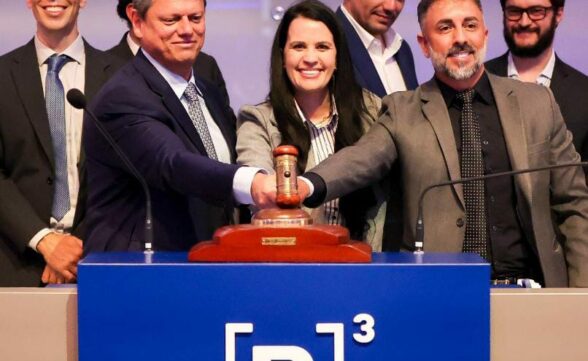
<point x="78" y="100"/>
<point x="420" y="225"/>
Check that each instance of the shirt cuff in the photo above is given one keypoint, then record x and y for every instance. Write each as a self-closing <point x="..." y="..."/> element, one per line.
<point x="242" y="184"/>
<point x="34" y="242"/>
<point x="309" y="184"/>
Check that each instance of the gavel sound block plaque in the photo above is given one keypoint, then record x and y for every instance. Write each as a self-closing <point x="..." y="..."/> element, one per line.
<point x="283" y="234"/>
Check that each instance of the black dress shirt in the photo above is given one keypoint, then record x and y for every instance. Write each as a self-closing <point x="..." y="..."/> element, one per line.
<point x="510" y="253"/>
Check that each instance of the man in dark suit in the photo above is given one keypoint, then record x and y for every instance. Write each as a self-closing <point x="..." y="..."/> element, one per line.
<point x="175" y="130"/>
<point x="382" y="60"/>
<point x="42" y="190"/>
<point x="465" y="123"/>
<point x="205" y="65"/>
<point x="529" y="30"/>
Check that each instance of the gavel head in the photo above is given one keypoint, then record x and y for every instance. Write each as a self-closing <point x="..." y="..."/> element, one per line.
<point x="285" y="160"/>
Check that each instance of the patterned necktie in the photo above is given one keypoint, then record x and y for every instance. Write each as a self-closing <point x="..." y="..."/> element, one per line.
<point x="472" y="165"/>
<point x="55" y="103"/>
<point x="195" y="112"/>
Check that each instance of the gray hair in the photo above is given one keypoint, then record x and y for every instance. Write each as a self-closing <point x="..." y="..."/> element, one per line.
<point x="143" y="5"/>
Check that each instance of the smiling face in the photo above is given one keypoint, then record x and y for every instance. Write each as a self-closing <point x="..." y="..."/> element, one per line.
<point x="310" y="57"/>
<point x="530" y="38"/>
<point x="172" y="32"/>
<point x="375" y="16"/>
<point x="56" y="18"/>
<point x="454" y="36"/>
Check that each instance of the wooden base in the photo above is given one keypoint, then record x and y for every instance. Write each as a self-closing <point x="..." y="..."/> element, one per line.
<point x="296" y="244"/>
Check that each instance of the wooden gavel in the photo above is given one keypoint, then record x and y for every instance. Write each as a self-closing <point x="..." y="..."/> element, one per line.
<point x="285" y="160"/>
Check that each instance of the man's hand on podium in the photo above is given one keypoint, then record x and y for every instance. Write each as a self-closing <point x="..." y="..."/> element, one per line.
<point x="62" y="253"/>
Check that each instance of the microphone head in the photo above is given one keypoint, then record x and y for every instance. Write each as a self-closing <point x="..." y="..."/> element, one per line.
<point x="76" y="98"/>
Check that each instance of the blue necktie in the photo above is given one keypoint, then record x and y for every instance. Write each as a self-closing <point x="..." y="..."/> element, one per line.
<point x="55" y="103"/>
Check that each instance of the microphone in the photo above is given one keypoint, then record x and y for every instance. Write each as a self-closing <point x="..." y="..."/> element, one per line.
<point x="420" y="225"/>
<point x="78" y="100"/>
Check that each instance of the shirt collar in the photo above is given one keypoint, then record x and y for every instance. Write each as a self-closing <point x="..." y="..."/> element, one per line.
<point x="334" y="114"/>
<point x="393" y="39"/>
<point x="176" y="82"/>
<point x="482" y="88"/>
<point x="132" y="45"/>
<point x="75" y="51"/>
<point x="545" y="75"/>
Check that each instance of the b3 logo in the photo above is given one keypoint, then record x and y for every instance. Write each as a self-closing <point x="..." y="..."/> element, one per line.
<point x="366" y="334"/>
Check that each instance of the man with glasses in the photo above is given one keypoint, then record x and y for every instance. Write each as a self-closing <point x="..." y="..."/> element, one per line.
<point x="529" y="30"/>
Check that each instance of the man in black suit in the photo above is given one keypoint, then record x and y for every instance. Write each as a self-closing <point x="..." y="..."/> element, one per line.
<point x="382" y="60"/>
<point x="175" y="130"/>
<point x="529" y="30"/>
<point x="40" y="135"/>
<point x="205" y="65"/>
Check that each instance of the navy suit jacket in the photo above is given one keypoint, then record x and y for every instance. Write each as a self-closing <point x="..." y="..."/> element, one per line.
<point x="365" y="71"/>
<point x="191" y="194"/>
<point x="570" y="89"/>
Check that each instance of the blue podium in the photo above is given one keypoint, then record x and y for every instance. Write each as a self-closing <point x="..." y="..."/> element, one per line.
<point x="399" y="307"/>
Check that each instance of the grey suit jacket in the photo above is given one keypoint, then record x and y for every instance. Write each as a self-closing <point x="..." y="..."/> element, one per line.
<point x="258" y="136"/>
<point x="415" y="130"/>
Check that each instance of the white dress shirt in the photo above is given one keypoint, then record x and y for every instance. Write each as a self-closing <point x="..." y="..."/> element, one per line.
<point x="244" y="175"/>
<point x="543" y="79"/>
<point x="382" y="55"/>
<point x="72" y="75"/>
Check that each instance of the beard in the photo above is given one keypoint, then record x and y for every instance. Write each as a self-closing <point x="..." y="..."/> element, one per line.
<point x="529" y="51"/>
<point x="463" y="71"/>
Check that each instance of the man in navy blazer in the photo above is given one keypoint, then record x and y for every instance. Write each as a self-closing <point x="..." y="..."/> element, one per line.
<point x="382" y="60"/>
<point x="149" y="109"/>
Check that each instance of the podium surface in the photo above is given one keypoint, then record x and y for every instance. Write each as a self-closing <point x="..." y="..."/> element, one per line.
<point x="399" y="307"/>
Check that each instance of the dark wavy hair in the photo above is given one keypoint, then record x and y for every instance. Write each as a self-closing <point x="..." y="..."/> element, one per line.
<point x="347" y="93"/>
<point x="348" y="97"/>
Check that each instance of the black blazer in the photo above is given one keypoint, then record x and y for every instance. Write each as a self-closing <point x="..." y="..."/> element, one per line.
<point x="365" y="71"/>
<point x="26" y="160"/>
<point x="570" y="89"/>
<point x="205" y="66"/>
<point x="191" y="194"/>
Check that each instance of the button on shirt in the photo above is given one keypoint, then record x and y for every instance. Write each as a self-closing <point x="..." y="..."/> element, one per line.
<point x="545" y="76"/>
<point x="382" y="55"/>
<point x="72" y="75"/>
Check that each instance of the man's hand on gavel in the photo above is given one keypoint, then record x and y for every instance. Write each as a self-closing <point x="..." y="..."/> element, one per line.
<point x="263" y="190"/>
<point x="303" y="189"/>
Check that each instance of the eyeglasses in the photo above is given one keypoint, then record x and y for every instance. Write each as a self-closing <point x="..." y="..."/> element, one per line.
<point x="534" y="13"/>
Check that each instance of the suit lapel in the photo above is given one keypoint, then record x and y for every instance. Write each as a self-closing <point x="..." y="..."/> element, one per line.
<point x="558" y="79"/>
<point x="513" y="129"/>
<point x="158" y="84"/>
<point x="406" y="65"/>
<point x="27" y="79"/>
<point x="436" y="113"/>
<point x="362" y="63"/>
